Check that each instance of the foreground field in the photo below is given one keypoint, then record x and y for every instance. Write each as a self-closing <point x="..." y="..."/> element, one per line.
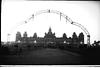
<point x="58" y="54"/>
<point x="44" y="56"/>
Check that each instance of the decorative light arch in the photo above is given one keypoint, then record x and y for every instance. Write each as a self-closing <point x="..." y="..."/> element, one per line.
<point x="64" y="16"/>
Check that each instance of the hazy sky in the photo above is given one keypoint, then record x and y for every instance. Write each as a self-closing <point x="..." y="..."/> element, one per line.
<point x="14" y="13"/>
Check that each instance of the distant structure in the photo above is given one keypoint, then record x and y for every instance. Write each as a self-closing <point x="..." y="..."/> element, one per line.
<point x="50" y="38"/>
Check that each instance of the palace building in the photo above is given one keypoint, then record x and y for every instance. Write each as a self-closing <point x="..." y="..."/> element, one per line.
<point x="50" y="38"/>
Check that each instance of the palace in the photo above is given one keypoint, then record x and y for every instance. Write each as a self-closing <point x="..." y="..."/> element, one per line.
<point x="50" y="38"/>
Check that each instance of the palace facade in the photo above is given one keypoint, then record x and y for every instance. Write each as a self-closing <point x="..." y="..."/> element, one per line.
<point x="50" y="38"/>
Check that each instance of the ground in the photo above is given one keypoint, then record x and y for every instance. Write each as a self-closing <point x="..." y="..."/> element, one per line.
<point x="44" y="56"/>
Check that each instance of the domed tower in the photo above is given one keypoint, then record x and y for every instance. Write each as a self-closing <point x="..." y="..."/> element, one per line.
<point x="49" y="34"/>
<point x="18" y="36"/>
<point x="64" y="36"/>
<point x="35" y="35"/>
<point x="74" y="38"/>
<point x="49" y="37"/>
<point x="25" y="34"/>
<point x="50" y="31"/>
<point x="25" y="38"/>
<point x="81" y="38"/>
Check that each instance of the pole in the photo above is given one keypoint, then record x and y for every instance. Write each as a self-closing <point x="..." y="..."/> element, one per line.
<point x="8" y="38"/>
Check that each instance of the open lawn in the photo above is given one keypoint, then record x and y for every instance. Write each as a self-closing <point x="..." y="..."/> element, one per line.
<point x="50" y="56"/>
<point x="44" y="56"/>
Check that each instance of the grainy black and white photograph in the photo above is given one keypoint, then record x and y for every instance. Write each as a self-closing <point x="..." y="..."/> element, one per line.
<point x="50" y="32"/>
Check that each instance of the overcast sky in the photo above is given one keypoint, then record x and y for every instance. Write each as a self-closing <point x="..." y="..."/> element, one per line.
<point x="14" y="13"/>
